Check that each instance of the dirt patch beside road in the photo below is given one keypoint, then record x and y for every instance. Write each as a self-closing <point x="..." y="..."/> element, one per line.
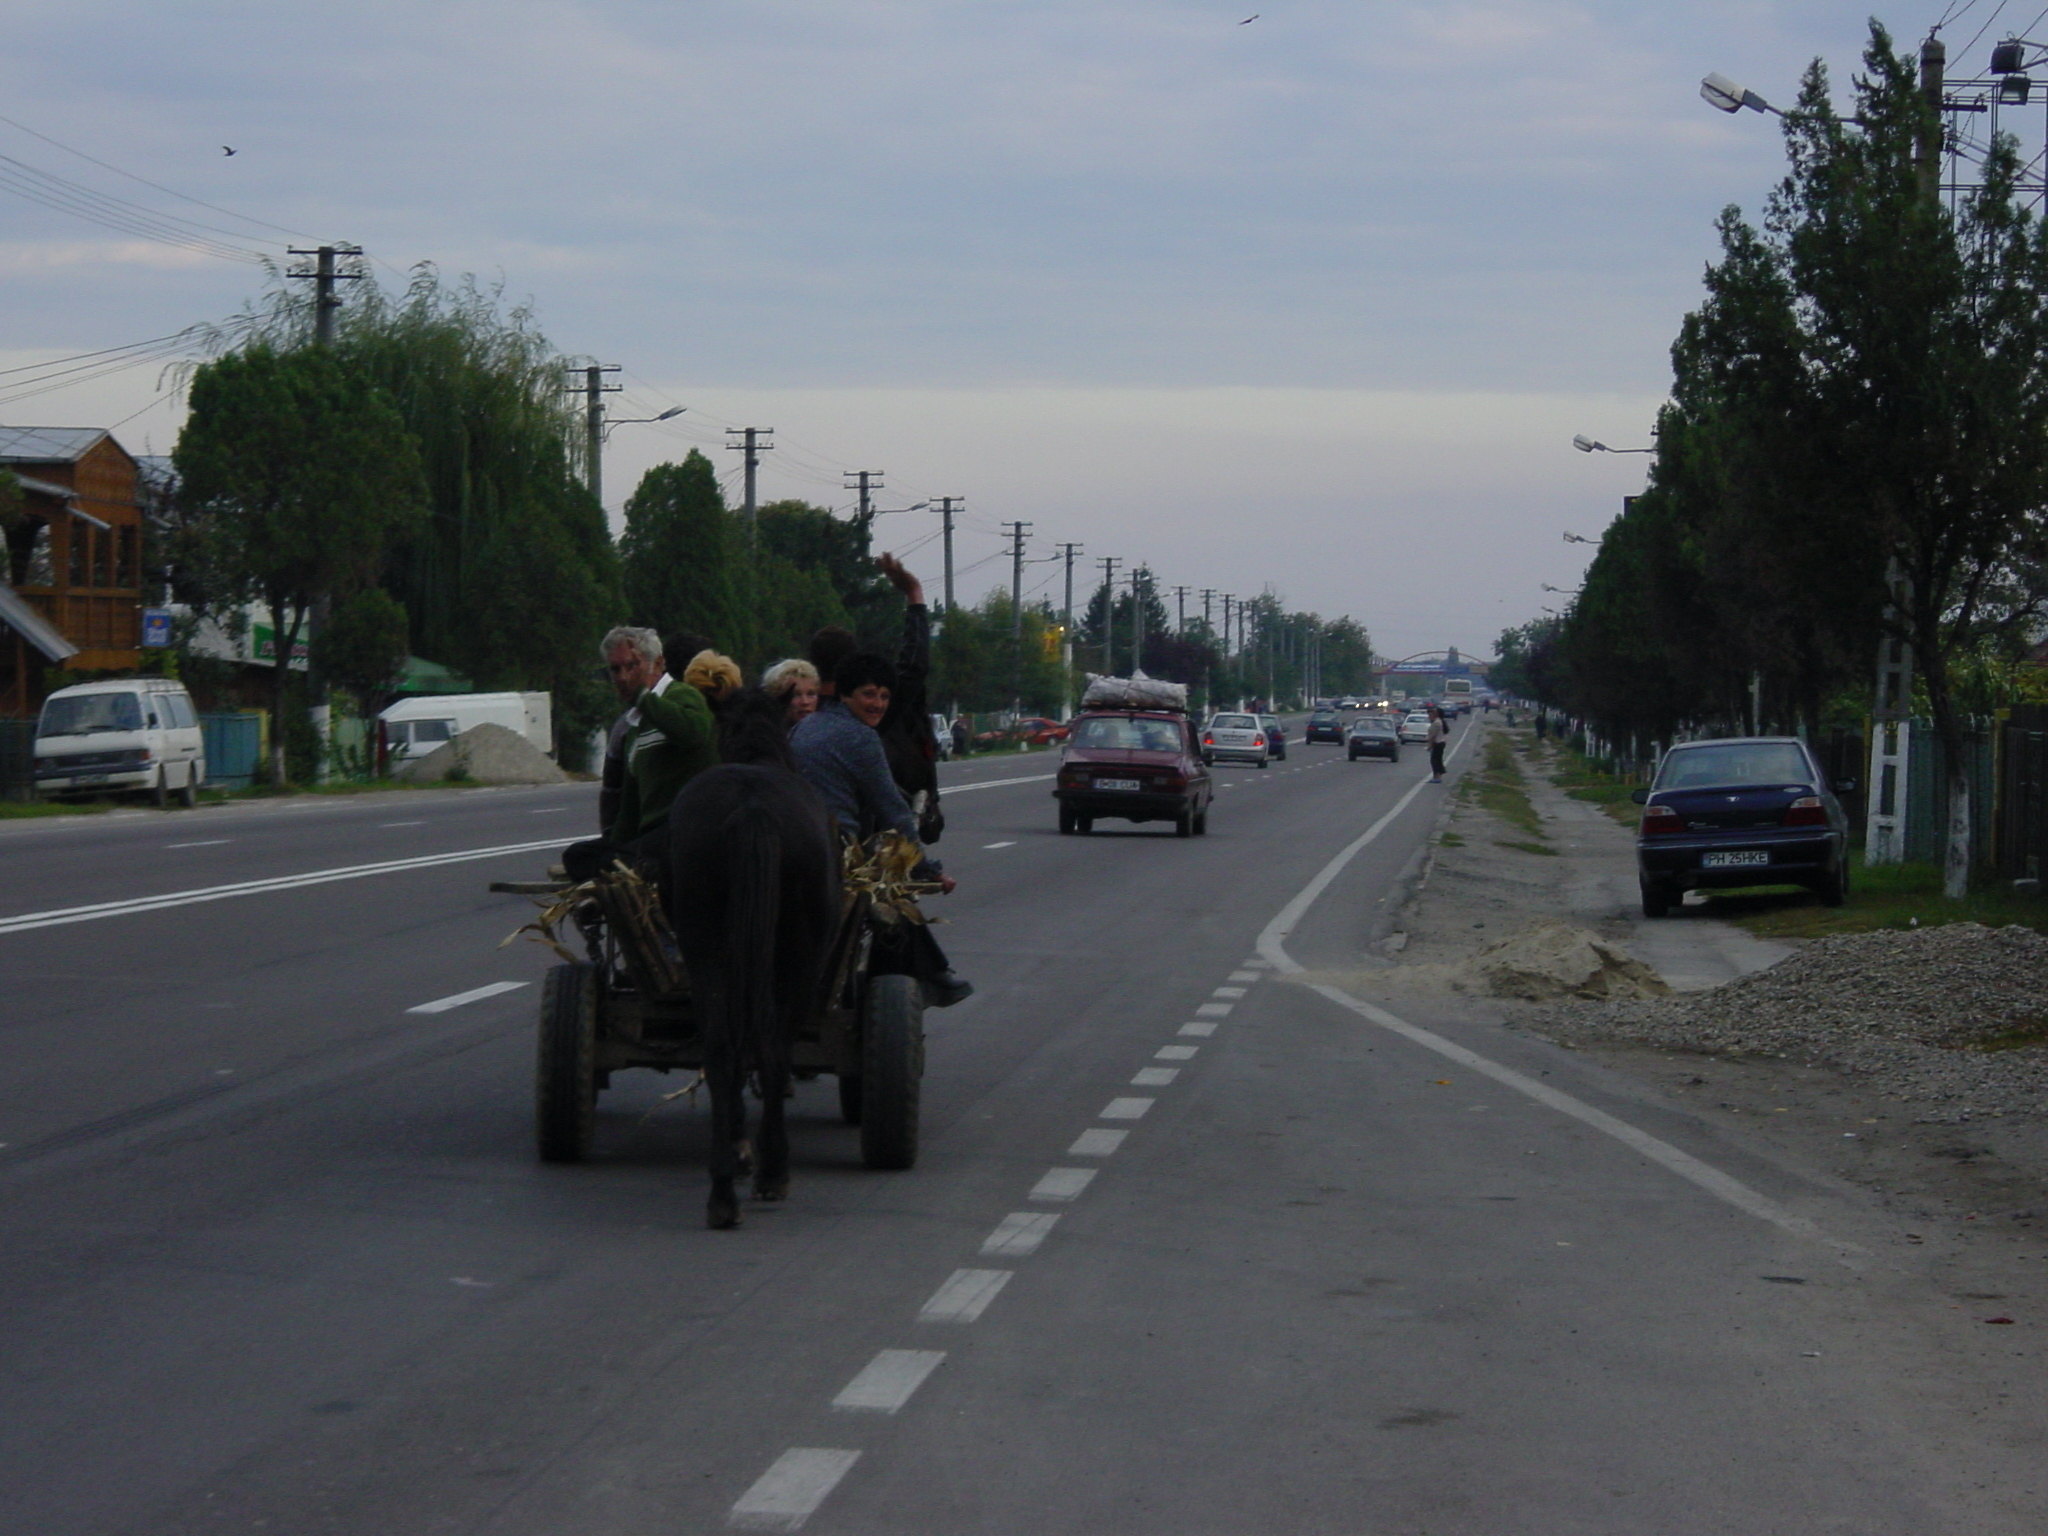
<point x="1928" y="1088"/>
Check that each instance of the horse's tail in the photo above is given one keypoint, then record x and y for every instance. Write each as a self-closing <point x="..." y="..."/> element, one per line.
<point x="753" y="915"/>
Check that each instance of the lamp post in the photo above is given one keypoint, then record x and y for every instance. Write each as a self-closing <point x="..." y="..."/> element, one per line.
<point x="1593" y="445"/>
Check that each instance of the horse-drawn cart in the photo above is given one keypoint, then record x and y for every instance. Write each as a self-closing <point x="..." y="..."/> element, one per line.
<point x="626" y="1004"/>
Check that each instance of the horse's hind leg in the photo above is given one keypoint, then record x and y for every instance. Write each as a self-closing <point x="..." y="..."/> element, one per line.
<point x="728" y="1112"/>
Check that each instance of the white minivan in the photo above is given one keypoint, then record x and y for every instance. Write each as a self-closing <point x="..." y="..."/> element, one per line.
<point x="134" y="733"/>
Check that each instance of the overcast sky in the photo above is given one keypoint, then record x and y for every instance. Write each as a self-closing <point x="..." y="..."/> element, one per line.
<point x="1314" y="303"/>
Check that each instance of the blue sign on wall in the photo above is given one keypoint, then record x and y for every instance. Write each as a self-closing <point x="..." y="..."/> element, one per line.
<point x="156" y="627"/>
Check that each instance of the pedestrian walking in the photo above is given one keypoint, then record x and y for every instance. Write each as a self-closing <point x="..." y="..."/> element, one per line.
<point x="1439" y="733"/>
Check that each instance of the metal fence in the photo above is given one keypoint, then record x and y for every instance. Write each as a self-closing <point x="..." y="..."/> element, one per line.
<point x="2020" y="838"/>
<point x="234" y="746"/>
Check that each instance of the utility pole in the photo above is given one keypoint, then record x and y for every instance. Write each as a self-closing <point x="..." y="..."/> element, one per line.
<point x="1207" y="593"/>
<point x="1140" y="583"/>
<point x="752" y="442"/>
<point x="1891" y="714"/>
<point x="1180" y="610"/>
<point x="324" y="276"/>
<point x="1109" y="564"/>
<point x="946" y="504"/>
<point x="1067" y="632"/>
<point x="867" y="482"/>
<point x="594" y="389"/>
<point x="1016" y="536"/>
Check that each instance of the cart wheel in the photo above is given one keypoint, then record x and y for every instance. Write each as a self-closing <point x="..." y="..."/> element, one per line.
<point x="849" y="1098"/>
<point x="892" y="1069"/>
<point x="565" y="1072"/>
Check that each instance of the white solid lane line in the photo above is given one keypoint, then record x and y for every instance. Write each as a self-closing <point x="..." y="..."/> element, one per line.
<point x="63" y="915"/>
<point x="1125" y="1109"/>
<point x="1176" y="1052"/>
<point x="1011" y="844"/>
<point x="211" y="842"/>
<point x="887" y="1381"/>
<point x="1062" y="1184"/>
<point x="1018" y="1234"/>
<point x="1099" y="1142"/>
<point x="474" y="995"/>
<point x="401" y="824"/>
<point x="1154" y="1077"/>
<point x="961" y="789"/>
<point x="965" y="1296"/>
<point x="790" y="1491"/>
<point x="1272" y="945"/>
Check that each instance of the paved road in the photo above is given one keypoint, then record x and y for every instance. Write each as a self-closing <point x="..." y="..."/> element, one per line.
<point x="1193" y="1247"/>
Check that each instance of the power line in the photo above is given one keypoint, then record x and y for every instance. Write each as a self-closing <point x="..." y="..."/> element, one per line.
<point x="197" y="202"/>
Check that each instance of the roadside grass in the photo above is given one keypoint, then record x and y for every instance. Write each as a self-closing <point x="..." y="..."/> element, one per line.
<point x="25" y="810"/>
<point x="1451" y="840"/>
<point x="1887" y="896"/>
<point x="1571" y="772"/>
<point x="1497" y="785"/>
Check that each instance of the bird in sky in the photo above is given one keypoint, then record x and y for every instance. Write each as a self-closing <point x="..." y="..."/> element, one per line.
<point x="227" y="149"/>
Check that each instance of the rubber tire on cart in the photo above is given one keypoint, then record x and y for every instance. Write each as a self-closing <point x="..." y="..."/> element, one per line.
<point x="1067" y="821"/>
<point x="1656" y="898"/>
<point x="849" y="1098"/>
<point x="565" y="1069"/>
<point x="892" y="1071"/>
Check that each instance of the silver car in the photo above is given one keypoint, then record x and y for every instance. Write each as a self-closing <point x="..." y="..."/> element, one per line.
<point x="1235" y="739"/>
<point x="1415" y="725"/>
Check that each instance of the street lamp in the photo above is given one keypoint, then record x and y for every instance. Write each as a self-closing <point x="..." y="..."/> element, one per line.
<point x="1724" y="95"/>
<point x="641" y="421"/>
<point x="1592" y="445"/>
<point x="1575" y="538"/>
<point x="1563" y="591"/>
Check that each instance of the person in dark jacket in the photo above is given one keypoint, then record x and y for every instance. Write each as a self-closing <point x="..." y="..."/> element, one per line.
<point x="839" y="751"/>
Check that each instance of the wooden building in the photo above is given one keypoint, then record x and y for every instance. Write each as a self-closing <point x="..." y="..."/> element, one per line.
<point x="74" y="559"/>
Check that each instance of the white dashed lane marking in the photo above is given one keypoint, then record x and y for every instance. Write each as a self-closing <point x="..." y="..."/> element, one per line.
<point x="1244" y="975"/>
<point x="1125" y="1109"/>
<point x="1228" y="992"/>
<point x="1018" y="1234"/>
<point x="789" y="1492"/>
<point x="1011" y="844"/>
<point x="1201" y="1027"/>
<point x="1176" y="1052"/>
<point x="1096" y="1143"/>
<point x="1062" y="1183"/>
<point x="1214" y="1010"/>
<point x="474" y="995"/>
<point x="1154" y="1077"/>
<point x="965" y="1296"/>
<point x="887" y="1381"/>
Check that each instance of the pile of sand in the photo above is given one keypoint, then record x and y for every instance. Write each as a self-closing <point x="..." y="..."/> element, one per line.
<point x="1557" y="960"/>
<point x="483" y="754"/>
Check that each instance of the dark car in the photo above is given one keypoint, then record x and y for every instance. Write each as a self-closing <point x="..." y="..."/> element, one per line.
<point x="1751" y="810"/>
<point x="1373" y="736"/>
<point x="1276" y="737"/>
<point x="1135" y="765"/>
<point x="1324" y="725"/>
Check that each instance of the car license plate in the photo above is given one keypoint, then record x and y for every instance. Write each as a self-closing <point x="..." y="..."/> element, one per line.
<point x="1733" y="860"/>
<point x="1118" y="784"/>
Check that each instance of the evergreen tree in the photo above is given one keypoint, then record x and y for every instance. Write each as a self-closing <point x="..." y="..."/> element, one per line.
<point x="681" y="552"/>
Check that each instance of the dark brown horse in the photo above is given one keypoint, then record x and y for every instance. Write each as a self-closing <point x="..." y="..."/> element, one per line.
<point x="754" y="900"/>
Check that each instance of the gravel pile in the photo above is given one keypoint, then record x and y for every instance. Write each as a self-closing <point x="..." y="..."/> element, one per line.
<point x="484" y="754"/>
<point x="1954" y="1018"/>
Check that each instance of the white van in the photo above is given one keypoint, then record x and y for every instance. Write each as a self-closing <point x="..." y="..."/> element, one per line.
<point x="414" y="727"/>
<point x="137" y="733"/>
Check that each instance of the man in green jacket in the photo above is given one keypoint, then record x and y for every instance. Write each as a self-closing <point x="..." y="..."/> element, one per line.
<point x="669" y="741"/>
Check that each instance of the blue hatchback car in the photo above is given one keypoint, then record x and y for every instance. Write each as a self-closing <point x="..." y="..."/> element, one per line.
<point x="1751" y="810"/>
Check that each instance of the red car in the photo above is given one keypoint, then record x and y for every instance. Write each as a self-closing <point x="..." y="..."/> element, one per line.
<point x="1037" y="731"/>
<point x="1135" y="765"/>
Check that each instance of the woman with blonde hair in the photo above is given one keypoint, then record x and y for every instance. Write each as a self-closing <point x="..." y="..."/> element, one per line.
<point x="795" y="683"/>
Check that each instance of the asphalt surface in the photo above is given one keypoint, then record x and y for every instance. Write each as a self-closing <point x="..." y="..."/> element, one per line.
<point x="1191" y="1247"/>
